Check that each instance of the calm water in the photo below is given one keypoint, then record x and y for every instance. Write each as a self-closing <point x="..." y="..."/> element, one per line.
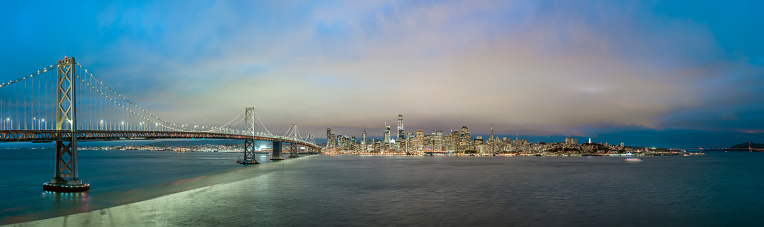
<point x="719" y="189"/>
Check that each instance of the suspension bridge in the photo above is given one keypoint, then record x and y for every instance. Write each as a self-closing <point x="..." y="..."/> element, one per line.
<point x="65" y="103"/>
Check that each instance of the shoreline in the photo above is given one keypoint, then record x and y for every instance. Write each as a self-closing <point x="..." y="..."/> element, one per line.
<point x="118" y="198"/>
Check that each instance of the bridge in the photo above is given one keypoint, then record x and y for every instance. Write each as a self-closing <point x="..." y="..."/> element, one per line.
<point x="30" y="111"/>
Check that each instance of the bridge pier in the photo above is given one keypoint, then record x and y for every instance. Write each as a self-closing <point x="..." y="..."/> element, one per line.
<point x="66" y="178"/>
<point x="277" y="150"/>
<point x="249" y="153"/>
<point x="294" y="148"/>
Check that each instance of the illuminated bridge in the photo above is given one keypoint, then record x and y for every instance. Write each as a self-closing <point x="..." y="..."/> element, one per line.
<point x="64" y="103"/>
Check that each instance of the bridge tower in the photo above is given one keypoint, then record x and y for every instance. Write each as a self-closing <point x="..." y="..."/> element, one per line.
<point x="310" y="140"/>
<point x="66" y="177"/>
<point x="249" y="144"/>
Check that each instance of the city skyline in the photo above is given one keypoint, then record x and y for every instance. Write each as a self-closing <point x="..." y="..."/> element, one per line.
<point x="651" y="74"/>
<point x="362" y="137"/>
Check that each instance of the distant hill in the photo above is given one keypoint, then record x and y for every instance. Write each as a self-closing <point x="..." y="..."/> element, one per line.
<point x="744" y="146"/>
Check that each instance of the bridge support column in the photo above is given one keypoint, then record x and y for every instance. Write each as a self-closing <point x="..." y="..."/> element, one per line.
<point x="249" y="153"/>
<point x="66" y="178"/>
<point x="249" y="144"/>
<point x="277" y="150"/>
<point x="294" y="148"/>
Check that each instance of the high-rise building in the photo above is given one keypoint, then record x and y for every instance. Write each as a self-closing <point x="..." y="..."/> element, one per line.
<point x="465" y="140"/>
<point x="400" y="127"/>
<point x="387" y="133"/>
<point x="491" y="138"/>
<point x="329" y="138"/>
<point x="452" y="141"/>
<point x="363" y="139"/>
<point x="437" y="141"/>
<point x="418" y="141"/>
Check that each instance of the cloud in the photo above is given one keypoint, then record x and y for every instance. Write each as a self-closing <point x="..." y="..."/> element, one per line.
<point x="535" y="67"/>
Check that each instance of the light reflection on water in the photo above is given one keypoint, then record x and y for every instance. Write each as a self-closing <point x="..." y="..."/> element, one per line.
<point x="717" y="189"/>
<point x="116" y="177"/>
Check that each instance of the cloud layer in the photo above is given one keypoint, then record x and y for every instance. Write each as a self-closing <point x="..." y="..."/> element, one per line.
<point x="535" y="67"/>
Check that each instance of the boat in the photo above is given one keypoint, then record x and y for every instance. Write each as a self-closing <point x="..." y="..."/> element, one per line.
<point x="633" y="160"/>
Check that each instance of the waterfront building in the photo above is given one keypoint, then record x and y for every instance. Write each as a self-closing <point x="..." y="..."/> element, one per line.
<point x="375" y="146"/>
<point x="453" y="141"/>
<point x="418" y="141"/>
<point x="479" y="145"/>
<point x="437" y="141"/>
<point x="465" y="140"/>
<point x="330" y="141"/>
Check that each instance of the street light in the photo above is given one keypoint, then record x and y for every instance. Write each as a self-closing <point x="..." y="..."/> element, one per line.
<point x="46" y="124"/>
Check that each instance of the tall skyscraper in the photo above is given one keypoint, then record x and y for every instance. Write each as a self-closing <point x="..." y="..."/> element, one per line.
<point x="363" y="135"/>
<point x="363" y="139"/>
<point x="491" y="138"/>
<point x="387" y="133"/>
<point x="465" y="140"/>
<point x="329" y="138"/>
<point x="400" y="127"/>
<point x="491" y="142"/>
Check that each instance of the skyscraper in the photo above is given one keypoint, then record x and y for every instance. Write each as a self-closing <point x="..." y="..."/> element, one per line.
<point x="491" y="138"/>
<point x="363" y="139"/>
<point x="387" y="134"/>
<point x="400" y="127"/>
<point x="491" y="142"/>
<point x="363" y="136"/>
<point x="329" y="138"/>
<point x="465" y="140"/>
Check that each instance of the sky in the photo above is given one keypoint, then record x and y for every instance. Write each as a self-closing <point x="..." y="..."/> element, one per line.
<point x="647" y="73"/>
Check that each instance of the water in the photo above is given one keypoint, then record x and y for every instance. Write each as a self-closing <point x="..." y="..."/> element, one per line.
<point x="113" y="175"/>
<point x="719" y="189"/>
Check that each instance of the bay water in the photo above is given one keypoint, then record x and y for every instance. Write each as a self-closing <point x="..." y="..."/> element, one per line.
<point x="205" y="189"/>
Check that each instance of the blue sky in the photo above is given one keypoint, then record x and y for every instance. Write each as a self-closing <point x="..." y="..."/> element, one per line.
<point x="662" y="73"/>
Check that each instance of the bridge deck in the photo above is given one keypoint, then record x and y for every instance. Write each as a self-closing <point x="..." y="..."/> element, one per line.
<point x="49" y="135"/>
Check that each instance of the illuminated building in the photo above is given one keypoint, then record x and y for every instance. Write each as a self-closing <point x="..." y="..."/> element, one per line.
<point x="363" y="139"/>
<point x="465" y="140"/>
<point x="330" y="141"/>
<point x="386" y="134"/>
<point x="400" y="127"/>
<point x="437" y="141"/>
<point x="491" y="138"/>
